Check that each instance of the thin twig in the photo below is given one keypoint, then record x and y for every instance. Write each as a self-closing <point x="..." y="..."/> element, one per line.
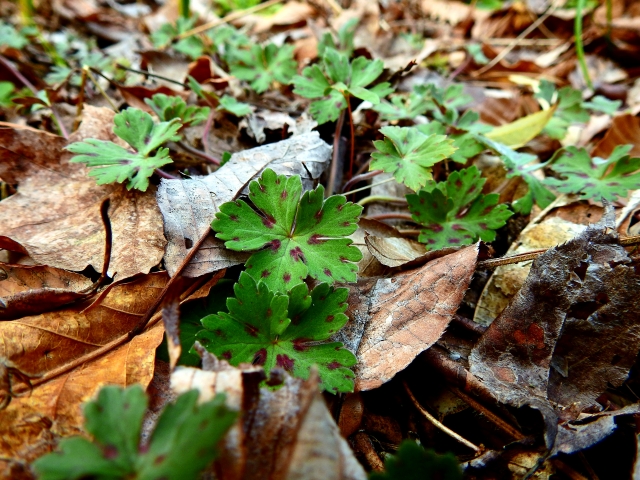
<point x="149" y="74"/>
<point x="439" y="425"/>
<point x="516" y="40"/>
<point x="99" y="87"/>
<point x="229" y="18"/>
<point x="369" y="186"/>
<point x="198" y="153"/>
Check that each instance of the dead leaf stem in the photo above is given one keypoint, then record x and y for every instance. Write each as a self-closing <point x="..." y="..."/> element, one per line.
<point x="438" y="424"/>
<point x="333" y="169"/>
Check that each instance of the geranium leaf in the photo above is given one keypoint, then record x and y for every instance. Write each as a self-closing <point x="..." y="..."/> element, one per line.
<point x="409" y="154"/>
<point x="118" y="164"/>
<point x="295" y="236"/>
<point x="262" y="66"/>
<point x="455" y="212"/>
<point x="594" y="178"/>
<point x="169" y="107"/>
<point x="276" y="330"/>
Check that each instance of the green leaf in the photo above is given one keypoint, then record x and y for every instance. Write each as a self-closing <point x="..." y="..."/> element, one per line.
<point x="336" y="66"/>
<point x="6" y="93"/>
<point x="276" y="330"/>
<point x="596" y="178"/>
<point x="345" y="39"/>
<point x="295" y="237"/>
<point x="119" y="164"/>
<point x="521" y="164"/>
<point x="455" y="212"/>
<point x="181" y="446"/>
<point x="10" y="37"/>
<point x="412" y="462"/>
<point x="262" y="66"/>
<point x="364" y="71"/>
<point x="169" y="107"/>
<point x="603" y="104"/>
<point x="233" y="106"/>
<point x="312" y="83"/>
<point x="409" y="154"/>
<point x="403" y="106"/>
<point x="192" y="47"/>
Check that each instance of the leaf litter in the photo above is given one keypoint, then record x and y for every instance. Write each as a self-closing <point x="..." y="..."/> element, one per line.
<point x="560" y="338"/>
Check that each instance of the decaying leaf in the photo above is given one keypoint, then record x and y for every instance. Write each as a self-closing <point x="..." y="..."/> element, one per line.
<point x="392" y="320"/>
<point x="189" y="206"/>
<point x="55" y="216"/>
<point x="39" y="344"/>
<point x="283" y="434"/>
<point x="570" y="331"/>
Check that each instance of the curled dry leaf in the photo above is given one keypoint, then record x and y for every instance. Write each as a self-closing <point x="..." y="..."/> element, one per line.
<point x="37" y="345"/>
<point x="398" y="252"/>
<point x="569" y="332"/>
<point x="392" y="320"/>
<point x="283" y="434"/>
<point x="55" y="215"/>
<point x="189" y="206"/>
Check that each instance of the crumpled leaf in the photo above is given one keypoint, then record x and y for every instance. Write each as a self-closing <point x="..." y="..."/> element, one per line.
<point x="455" y="212"/>
<point x="188" y="206"/>
<point x="408" y="154"/>
<point x="597" y="178"/>
<point x="55" y="215"/>
<point x="295" y="236"/>
<point x="182" y="444"/>
<point x="118" y="164"/>
<point x="272" y="329"/>
<point x="39" y="344"/>
<point x="398" y="251"/>
<point x="287" y="433"/>
<point x="569" y="332"/>
<point x="386" y="338"/>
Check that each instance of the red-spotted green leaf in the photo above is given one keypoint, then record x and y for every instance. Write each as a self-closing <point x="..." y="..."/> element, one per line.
<point x="136" y="165"/>
<point x="182" y="445"/>
<point x="272" y="329"/>
<point x="295" y="234"/>
<point x="598" y="177"/>
<point x="409" y="154"/>
<point x="455" y="212"/>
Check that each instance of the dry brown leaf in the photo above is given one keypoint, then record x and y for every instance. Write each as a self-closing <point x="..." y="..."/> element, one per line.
<point x="283" y="434"/>
<point x="189" y="206"/>
<point x="36" y="345"/>
<point x="392" y="320"/>
<point x="625" y="129"/>
<point x="55" y="216"/>
<point x="20" y="278"/>
<point x="288" y="15"/>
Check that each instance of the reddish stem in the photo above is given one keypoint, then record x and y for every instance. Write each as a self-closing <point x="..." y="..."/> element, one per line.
<point x="352" y="141"/>
<point x="360" y="178"/>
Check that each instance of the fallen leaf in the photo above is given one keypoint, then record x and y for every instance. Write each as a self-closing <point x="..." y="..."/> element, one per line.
<point x="55" y="215"/>
<point x="289" y="14"/>
<point x="519" y="132"/>
<point x="625" y="129"/>
<point x="37" y="345"/>
<point x="392" y="320"/>
<point x="189" y="206"/>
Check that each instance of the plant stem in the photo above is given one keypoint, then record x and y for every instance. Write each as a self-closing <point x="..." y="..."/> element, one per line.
<point x="99" y="87"/>
<point x="391" y="216"/>
<point x="359" y="178"/>
<point x="577" y="32"/>
<point x="149" y="74"/>
<point x="382" y="198"/>
<point x="352" y="140"/>
<point x="185" y="11"/>
<point x="198" y="153"/>
<point x="163" y="174"/>
<point x="369" y="186"/>
<point x="333" y="170"/>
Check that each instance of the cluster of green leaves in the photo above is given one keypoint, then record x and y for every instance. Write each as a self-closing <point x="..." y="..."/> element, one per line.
<point x="263" y="65"/>
<point x="285" y="330"/>
<point x="225" y="103"/>
<point x="455" y="212"/>
<point x="13" y="38"/>
<point x="412" y="462"/>
<point x="596" y="178"/>
<point x="182" y="444"/>
<point x="168" y="36"/>
<point x="342" y="42"/>
<point x="134" y="165"/>
<point x="571" y="109"/>
<point x="335" y="80"/>
<point x="170" y="108"/>
<point x="274" y="320"/>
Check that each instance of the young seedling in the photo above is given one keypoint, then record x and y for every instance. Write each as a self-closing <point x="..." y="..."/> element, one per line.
<point x="344" y="40"/>
<point x="263" y="66"/>
<point x="167" y="35"/>
<point x="168" y="108"/>
<point x="409" y="154"/>
<point x="272" y="329"/>
<point x="455" y="212"/>
<point x="598" y="177"/>
<point x="182" y="444"/>
<point x="294" y="235"/>
<point x="135" y="165"/>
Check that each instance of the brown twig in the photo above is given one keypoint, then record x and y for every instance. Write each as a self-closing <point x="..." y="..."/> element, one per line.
<point x="333" y="170"/>
<point x="360" y="177"/>
<point x="198" y="153"/>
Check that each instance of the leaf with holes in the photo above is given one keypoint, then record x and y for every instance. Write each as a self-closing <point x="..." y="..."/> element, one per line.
<point x="294" y="237"/>
<point x="455" y="212"/>
<point x="409" y="154"/>
<point x="136" y="165"/>
<point x="272" y="329"/>
<point x="262" y="66"/>
<point x="181" y="446"/>
<point x="598" y="177"/>
<point x="169" y="107"/>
